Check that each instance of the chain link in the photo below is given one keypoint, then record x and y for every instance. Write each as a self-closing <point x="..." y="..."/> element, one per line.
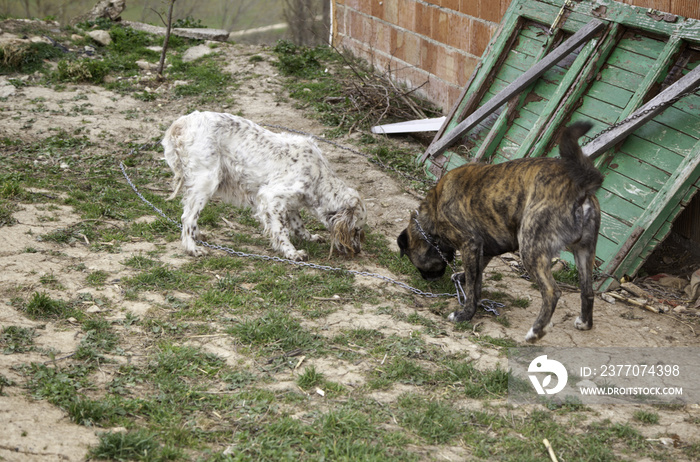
<point x="636" y="116"/>
<point x="275" y="258"/>
<point x="486" y="304"/>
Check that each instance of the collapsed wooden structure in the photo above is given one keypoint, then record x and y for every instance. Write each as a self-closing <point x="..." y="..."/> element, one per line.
<point x="634" y="72"/>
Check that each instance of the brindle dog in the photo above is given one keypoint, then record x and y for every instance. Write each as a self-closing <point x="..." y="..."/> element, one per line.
<point x="536" y="205"/>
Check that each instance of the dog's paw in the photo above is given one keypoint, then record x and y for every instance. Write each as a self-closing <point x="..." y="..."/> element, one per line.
<point x="297" y="255"/>
<point x="580" y="325"/>
<point x="457" y="316"/>
<point x="197" y="251"/>
<point x="532" y="337"/>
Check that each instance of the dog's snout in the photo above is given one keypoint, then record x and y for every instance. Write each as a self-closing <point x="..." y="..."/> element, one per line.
<point x="432" y="275"/>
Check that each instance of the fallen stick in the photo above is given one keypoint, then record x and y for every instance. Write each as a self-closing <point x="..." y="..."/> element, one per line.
<point x="550" y="450"/>
<point x="634" y="302"/>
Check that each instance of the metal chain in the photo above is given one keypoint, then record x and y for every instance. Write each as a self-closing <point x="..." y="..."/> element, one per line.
<point x="632" y="117"/>
<point x="275" y="258"/>
<point x="486" y="304"/>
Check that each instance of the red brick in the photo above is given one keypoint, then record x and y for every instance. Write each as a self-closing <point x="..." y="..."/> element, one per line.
<point x="686" y="8"/>
<point x="451" y="4"/>
<point x="453" y="97"/>
<point x="412" y="49"/>
<point x="469" y="7"/>
<point x="428" y="56"/>
<point x="458" y="34"/>
<point x="407" y="15"/>
<point x="446" y="66"/>
<point x="480" y="35"/>
<point x="467" y="65"/>
<point x="376" y="9"/>
<point x="391" y="12"/>
<point x="505" y="4"/>
<point x="490" y="10"/>
<point x="423" y="19"/>
<point x="440" y="29"/>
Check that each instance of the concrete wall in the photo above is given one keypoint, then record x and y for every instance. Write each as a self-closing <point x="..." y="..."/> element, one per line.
<point x="438" y="43"/>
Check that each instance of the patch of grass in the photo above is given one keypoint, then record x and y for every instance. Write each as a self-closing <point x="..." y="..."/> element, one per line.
<point x="496" y="277"/>
<point x="163" y="278"/>
<point x="310" y="378"/>
<point x="58" y="385"/>
<point x="476" y="383"/>
<point x="97" y="278"/>
<point x="434" y="421"/>
<point x="399" y="370"/>
<point x="15" y="339"/>
<point x="42" y="306"/>
<point x="521" y="302"/>
<point x="50" y="280"/>
<point x="99" y="338"/>
<point x="568" y="275"/>
<point x="81" y="70"/>
<point x="4" y="382"/>
<point x="296" y="61"/>
<point x="7" y="208"/>
<point x="26" y="57"/>
<point x="134" y="445"/>
<point x="646" y="417"/>
<point x="275" y="331"/>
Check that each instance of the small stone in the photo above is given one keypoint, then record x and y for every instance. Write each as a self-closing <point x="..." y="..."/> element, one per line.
<point x="100" y="36"/>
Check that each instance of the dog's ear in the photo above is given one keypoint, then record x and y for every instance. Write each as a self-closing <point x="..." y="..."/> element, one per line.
<point x="402" y="241"/>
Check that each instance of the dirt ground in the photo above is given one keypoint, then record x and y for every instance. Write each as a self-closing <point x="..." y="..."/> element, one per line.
<point x="36" y="430"/>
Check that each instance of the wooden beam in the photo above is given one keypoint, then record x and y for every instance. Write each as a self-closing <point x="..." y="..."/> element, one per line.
<point x="584" y="34"/>
<point x="599" y="145"/>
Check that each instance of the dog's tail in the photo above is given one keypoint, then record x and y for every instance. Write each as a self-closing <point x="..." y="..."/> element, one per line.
<point x="579" y="167"/>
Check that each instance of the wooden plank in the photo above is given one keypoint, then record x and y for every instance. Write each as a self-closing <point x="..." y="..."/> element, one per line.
<point x="656" y="75"/>
<point x="562" y="112"/>
<point x="556" y="98"/>
<point x="651" y="161"/>
<point x="619" y="207"/>
<point x="632" y="190"/>
<point x="614" y="230"/>
<point x="619" y="77"/>
<point x="642" y="44"/>
<point x="631" y="61"/>
<point x="615" y="261"/>
<point x="600" y="110"/>
<point x="412" y="126"/>
<point x="643" y="114"/>
<point x="616" y="96"/>
<point x="665" y="136"/>
<point x="508" y="145"/>
<point x="504" y="122"/>
<point x="546" y="12"/>
<point x="682" y="122"/>
<point x="523" y="81"/>
<point x="676" y="188"/>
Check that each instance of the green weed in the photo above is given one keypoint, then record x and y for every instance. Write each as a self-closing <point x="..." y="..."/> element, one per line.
<point x="42" y="306"/>
<point x="15" y="339"/>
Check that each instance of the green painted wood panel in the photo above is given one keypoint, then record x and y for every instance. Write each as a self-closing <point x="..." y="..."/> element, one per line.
<point x="648" y="174"/>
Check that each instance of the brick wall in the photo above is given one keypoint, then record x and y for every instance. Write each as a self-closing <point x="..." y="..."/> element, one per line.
<point x="436" y="45"/>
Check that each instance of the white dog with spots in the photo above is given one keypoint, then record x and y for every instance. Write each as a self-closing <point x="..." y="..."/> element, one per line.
<point x="218" y="154"/>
